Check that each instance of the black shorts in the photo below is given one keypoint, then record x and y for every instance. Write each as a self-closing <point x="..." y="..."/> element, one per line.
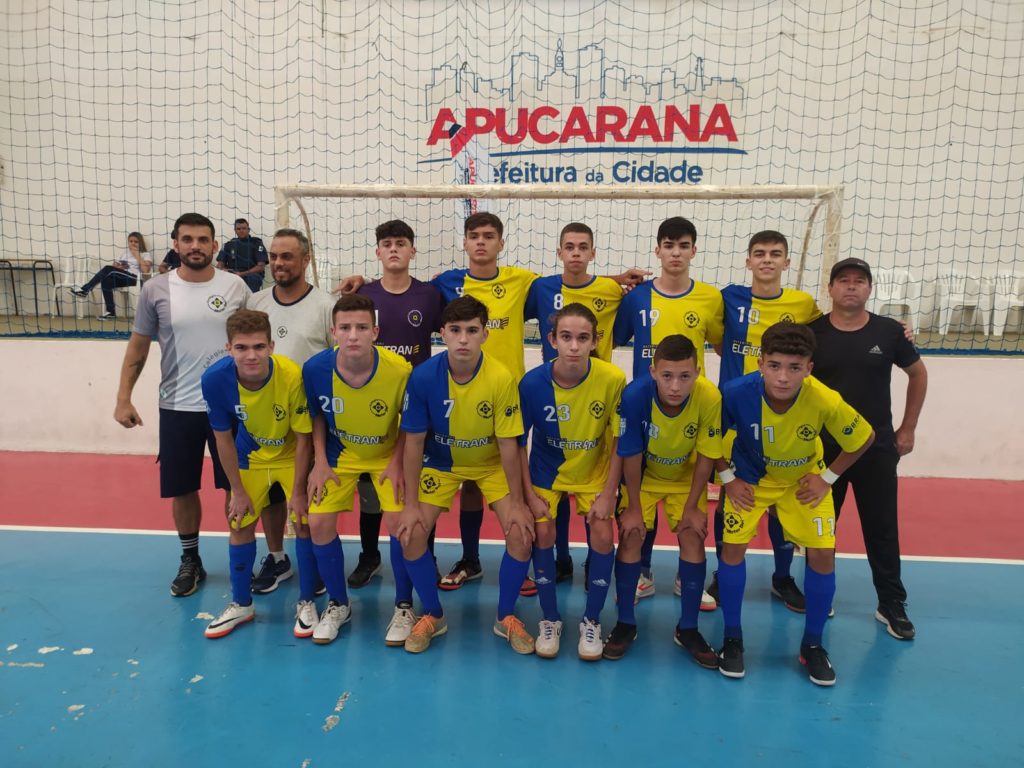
<point x="183" y="435"/>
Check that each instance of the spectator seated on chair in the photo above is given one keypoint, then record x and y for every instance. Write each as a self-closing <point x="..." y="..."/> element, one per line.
<point x="124" y="272"/>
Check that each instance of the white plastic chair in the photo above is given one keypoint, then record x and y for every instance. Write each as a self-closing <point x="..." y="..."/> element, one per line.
<point x="892" y="288"/>
<point x="79" y="269"/>
<point x="1007" y="294"/>
<point x="958" y="291"/>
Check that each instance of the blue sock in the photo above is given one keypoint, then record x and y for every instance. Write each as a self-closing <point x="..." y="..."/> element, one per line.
<point x="510" y="578"/>
<point x="647" y="549"/>
<point x="691" y="578"/>
<point x="783" y="549"/>
<point x="403" y="584"/>
<point x="242" y="557"/>
<point x="330" y="561"/>
<point x="819" y="589"/>
<point x="600" y="580"/>
<point x="719" y="529"/>
<point x="306" y="562"/>
<point x="562" y="529"/>
<point x="424" y="578"/>
<point x="470" y="522"/>
<point x="544" y="575"/>
<point x="732" y="580"/>
<point x="626" y="577"/>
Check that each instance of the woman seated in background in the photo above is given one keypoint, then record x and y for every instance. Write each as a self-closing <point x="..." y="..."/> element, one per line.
<point x="126" y="271"/>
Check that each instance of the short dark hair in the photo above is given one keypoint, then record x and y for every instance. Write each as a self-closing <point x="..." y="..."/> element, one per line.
<point x="298" y="235"/>
<point x="354" y="302"/>
<point x="674" y="349"/>
<point x="248" y="321"/>
<point x="192" y="220"/>
<point x="788" y="338"/>
<point x="574" y="310"/>
<point x="676" y="228"/>
<point x="241" y="221"/>
<point x="394" y="229"/>
<point x="578" y="228"/>
<point x="768" y="236"/>
<point x="463" y="309"/>
<point x="483" y="219"/>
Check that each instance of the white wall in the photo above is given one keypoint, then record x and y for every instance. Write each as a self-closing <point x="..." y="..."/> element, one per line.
<point x="59" y="396"/>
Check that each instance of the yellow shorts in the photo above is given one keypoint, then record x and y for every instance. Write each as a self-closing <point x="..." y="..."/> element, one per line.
<point x="584" y="501"/>
<point x="673" y="503"/>
<point x="806" y="526"/>
<point x="339" y="498"/>
<point x="438" y="487"/>
<point x="257" y="483"/>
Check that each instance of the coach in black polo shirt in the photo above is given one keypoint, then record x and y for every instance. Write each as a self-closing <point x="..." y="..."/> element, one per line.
<point x="244" y="256"/>
<point x="855" y="355"/>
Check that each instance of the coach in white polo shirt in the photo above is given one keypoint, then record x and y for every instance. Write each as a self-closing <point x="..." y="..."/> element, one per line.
<point x="186" y="309"/>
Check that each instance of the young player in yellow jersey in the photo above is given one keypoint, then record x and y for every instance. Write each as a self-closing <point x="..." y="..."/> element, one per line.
<point x="778" y="414"/>
<point x="260" y="395"/>
<point x="669" y="437"/>
<point x="569" y="404"/>
<point x="355" y="393"/>
<point x="460" y="420"/>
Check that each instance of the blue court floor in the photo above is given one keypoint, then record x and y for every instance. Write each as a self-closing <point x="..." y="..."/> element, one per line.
<point x="101" y="667"/>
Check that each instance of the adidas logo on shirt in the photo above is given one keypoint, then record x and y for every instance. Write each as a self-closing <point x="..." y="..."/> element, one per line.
<point x="875" y="350"/>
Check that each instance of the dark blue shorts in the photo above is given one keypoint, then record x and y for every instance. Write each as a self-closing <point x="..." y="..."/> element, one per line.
<point x="183" y="437"/>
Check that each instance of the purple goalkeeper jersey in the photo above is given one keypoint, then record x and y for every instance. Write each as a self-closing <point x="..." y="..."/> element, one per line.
<point x="407" y="319"/>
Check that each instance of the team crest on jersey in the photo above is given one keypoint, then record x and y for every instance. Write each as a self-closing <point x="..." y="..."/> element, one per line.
<point x="691" y="430"/>
<point x="596" y="409"/>
<point x="281" y="332"/>
<point x="279" y="412"/>
<point x="217" y="303"/>
<point x="378" y="407"/>
<point x="786" y="317"/>
<point x="429" y="484"/>
<point x="498" y="291"/>
<point x="692" y="319"/>
<point x="733" y="522"/>
<point x="484" y="409"/>
<point x="415" y="318"/>
<point x="599" y="304"/>
<point x="806" y="432"/>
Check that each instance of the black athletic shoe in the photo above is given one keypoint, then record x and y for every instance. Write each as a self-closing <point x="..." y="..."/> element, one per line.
<point x="789" y="593"/>
<point x="190" y="573"/>
<point x="730" y="658"/>
<point x="321" y="588"/>
<point x="619" y="641"/>
<point x="894" y="616"/>
<point x="713" y="588"/>
<point x="819" y="668"/>
<point x="693" y="643"/>
<point x="368" y="567"/>
<point x="563" y="571"/>
<point x="271" y="574"/>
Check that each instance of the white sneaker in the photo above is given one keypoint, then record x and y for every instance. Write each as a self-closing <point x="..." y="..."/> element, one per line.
<point x="591" y="646"/>
<point x="707" y="602"/>
<point x="549" y="636"/>
<point x="331" y="621"/>
<point x="306" y="618"/>
<point x="644" y="588"/>
<point x="400" y="626"/>
<point x="231" y="617"/>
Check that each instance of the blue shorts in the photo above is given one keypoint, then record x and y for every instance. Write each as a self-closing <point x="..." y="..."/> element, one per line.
<point x="183" y="437"/>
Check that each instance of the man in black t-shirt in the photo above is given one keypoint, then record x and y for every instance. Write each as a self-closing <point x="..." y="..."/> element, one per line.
<point x="855" y="356"/>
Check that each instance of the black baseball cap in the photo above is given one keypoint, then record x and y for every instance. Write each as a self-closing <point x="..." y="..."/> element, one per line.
<point x="853" y="263"/>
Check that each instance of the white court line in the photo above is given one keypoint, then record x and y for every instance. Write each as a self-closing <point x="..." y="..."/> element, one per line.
<point x="497" y="542"/>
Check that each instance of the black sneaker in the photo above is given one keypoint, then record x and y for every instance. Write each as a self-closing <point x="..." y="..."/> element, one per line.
<point x="619" y="641"/>
<point x="321" y="588"/>
<point x="713" y="588"/>
<point x="894" y="616"/>
<point x="563" y="570"/>
<point x="789" y="593"/>
<point x="693" y="643"/>
<point x="190" y="573"/>
<point x="730" y="658"/>
<point x="271" y="574"/>
<point x="368" y="567"/>
<point x="819" y="668"/>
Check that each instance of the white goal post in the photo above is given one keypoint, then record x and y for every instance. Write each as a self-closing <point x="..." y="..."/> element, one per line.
<point x="829" y="196"/>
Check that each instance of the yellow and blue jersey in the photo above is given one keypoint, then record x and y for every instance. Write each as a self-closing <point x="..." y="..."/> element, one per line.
<point x="601" y="295"/>
<point x="778" y="449"/>
<point x="669" y="444"/>
<point x="572" y="428"/>
<point x="462" y="421"/>
<point x="266" y="418"/>
<point x="504" y="295"/>
<point x="747" y="317"/>
<point x="362" y="422"/>
<point x="647" y="316"/>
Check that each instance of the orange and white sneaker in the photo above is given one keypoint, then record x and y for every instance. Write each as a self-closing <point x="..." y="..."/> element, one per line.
<point x="512" y="629"/>
<point x="644" y="588"/>
<point x="707" y="602"/>
<point x="306" y="618"/>
<point x="426" y="629"/>
<point x="231" y="617"/>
